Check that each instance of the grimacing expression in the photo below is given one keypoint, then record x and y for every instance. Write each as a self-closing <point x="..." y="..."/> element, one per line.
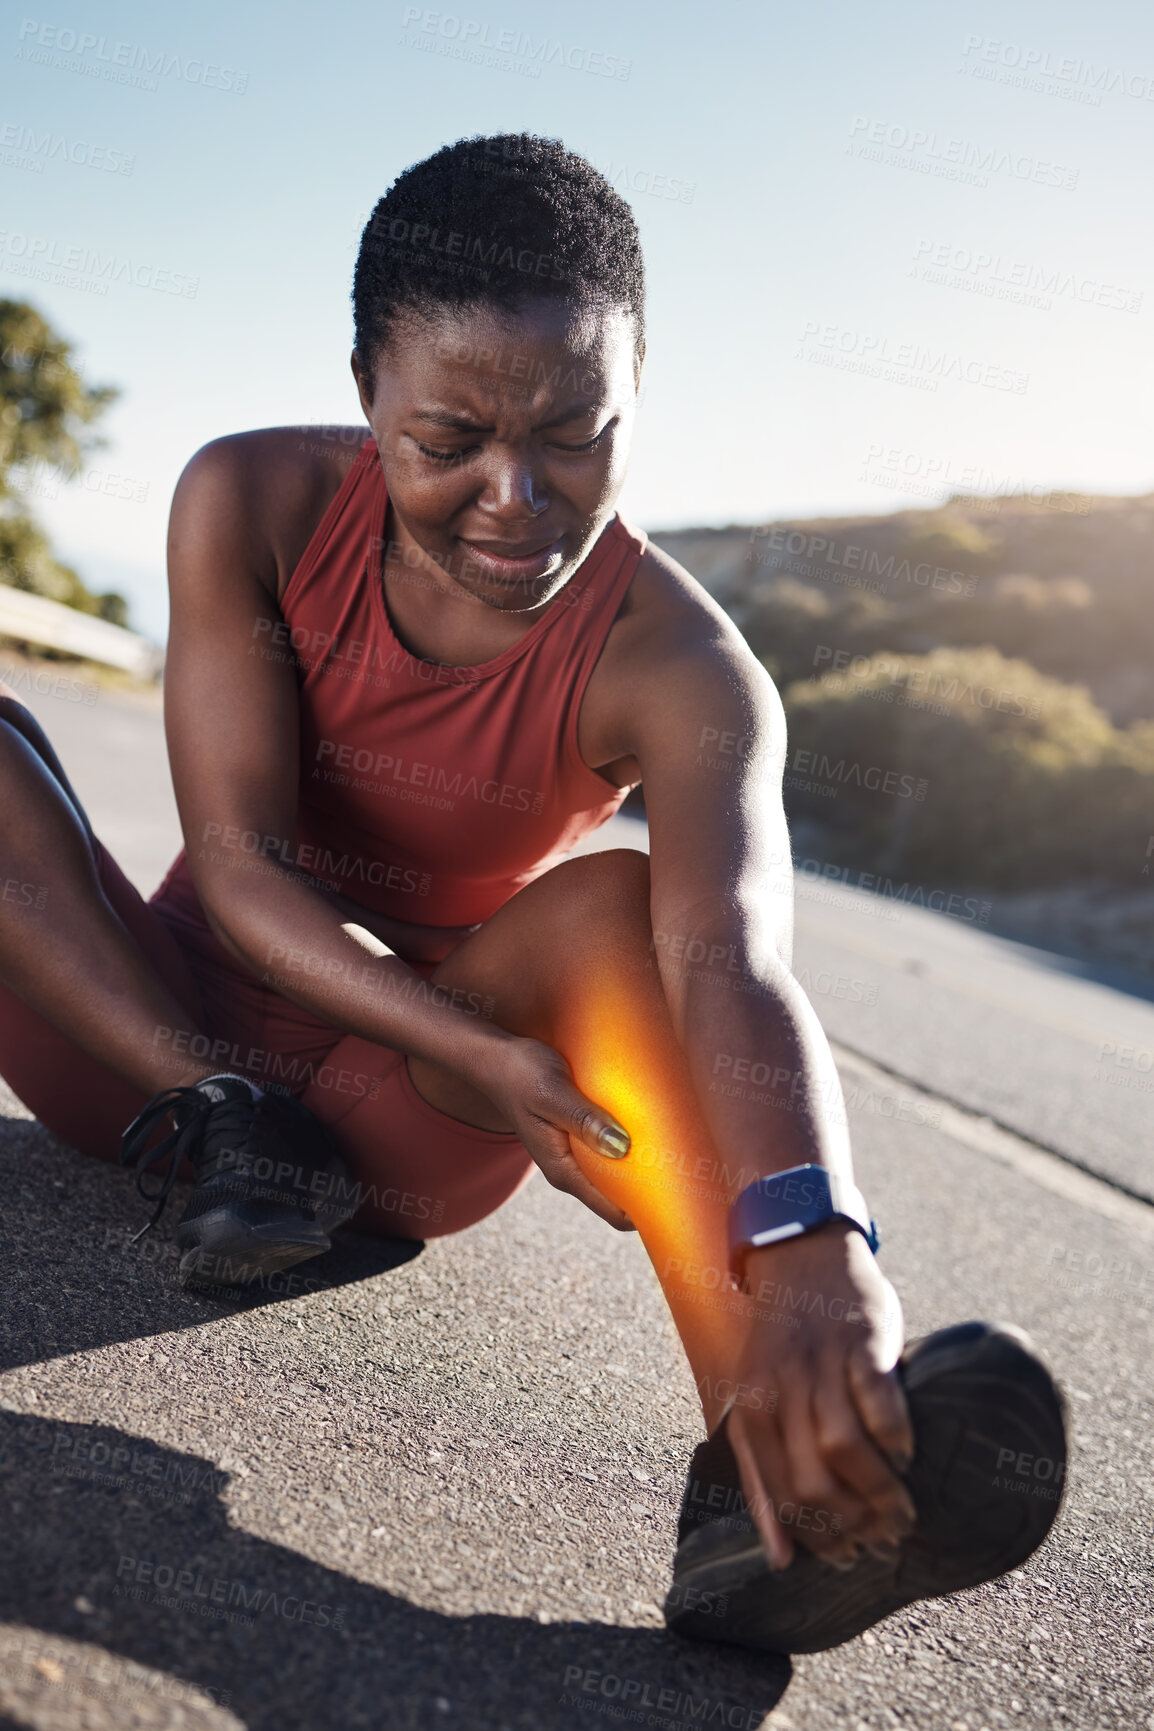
<point x="504" y="439"/>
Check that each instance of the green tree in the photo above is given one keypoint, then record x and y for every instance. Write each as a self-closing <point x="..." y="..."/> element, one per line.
<point x="48" y="417"/>
<point x="966" y="767"/>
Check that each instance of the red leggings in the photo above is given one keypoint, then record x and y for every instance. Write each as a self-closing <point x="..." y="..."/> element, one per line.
<point x="424" y="1174"/>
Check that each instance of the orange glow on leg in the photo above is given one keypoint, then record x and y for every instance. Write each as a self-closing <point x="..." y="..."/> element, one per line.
<point x="672" y="1183"/>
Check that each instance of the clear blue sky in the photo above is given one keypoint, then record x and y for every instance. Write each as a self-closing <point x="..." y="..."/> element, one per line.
<point x="828" y="331"/>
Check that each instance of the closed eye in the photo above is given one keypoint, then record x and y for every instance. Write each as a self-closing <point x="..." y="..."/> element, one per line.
<point x="458" y="456"/>
<point x="590" y="444"/>
<point x="440" y="456"/>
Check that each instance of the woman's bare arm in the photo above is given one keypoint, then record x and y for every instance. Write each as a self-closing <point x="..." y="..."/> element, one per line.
<point x="231" y="716"/>
<point x="706" y="726"/>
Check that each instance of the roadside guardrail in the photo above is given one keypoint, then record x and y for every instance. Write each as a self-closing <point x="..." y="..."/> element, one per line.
<point x="35" y="619"/>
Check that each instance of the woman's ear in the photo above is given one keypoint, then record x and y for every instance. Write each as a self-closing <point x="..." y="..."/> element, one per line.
<point x="364" y="380"/>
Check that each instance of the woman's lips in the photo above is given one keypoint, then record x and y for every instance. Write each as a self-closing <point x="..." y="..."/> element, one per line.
<point x="512" y="568"/>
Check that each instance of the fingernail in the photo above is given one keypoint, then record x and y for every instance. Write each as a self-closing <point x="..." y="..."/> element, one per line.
<point x="614" y="1143"/>
<point x="901" y="1462"/>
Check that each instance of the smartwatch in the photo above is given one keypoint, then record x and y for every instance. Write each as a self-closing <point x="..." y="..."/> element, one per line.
<point x="786" y="1204"/>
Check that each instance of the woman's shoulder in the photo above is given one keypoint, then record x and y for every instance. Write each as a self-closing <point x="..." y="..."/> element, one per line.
<point x="665" y="601"/>
<point x="267" y="489"/>
<point x="668" y="625"/>
<point x="670" y="648"/>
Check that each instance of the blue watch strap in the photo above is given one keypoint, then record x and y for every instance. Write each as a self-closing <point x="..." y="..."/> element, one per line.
<point x="786" y="1204"/>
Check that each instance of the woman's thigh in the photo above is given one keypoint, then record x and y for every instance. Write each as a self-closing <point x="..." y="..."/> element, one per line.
<point x="78" y="1099"/>
<point x="425" y="1167"/>
<point x="422" y="1173"/>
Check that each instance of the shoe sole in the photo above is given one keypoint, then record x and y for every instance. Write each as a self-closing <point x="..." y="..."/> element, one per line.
<point x="986" y="1481"/>
<point x="220" y="1248"/>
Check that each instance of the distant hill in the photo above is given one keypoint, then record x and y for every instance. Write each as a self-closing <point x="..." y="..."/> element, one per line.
<point x="1063" y="582"/>
<point x="969" y="689"/>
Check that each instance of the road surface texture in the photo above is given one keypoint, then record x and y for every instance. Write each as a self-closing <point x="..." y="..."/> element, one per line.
<point x="439" y="1489"/>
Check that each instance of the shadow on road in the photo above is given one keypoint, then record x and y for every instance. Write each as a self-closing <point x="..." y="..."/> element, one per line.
<point x="74" y="1280"/>
<point x="146" y="1566"/>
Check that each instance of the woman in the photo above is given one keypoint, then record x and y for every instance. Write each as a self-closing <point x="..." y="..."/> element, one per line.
<point x="407" y="673"/>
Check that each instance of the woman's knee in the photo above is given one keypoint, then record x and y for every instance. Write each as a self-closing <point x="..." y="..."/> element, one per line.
<point x="543" y="941"/>
<point x="20" y="732"/>
<point x="16" y="714"/>
<point x="611" y="886"/>
<point x="27" y="758"/>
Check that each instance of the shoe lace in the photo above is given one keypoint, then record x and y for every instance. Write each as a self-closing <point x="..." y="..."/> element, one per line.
<point x="190" y="1108"/>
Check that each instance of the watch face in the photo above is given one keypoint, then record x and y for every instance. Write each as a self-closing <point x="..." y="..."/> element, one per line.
<point x="799" y="1193"/>
<point x="785" y="1204"/>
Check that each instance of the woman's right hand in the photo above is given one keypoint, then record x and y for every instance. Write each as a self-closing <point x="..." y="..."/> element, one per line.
<point x="534" y="1089"/>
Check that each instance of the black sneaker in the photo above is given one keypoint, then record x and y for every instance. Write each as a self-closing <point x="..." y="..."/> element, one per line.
<point x="986" y="1479"/>
<point x="270" y="1183"/>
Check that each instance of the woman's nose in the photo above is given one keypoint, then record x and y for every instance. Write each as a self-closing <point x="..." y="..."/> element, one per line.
<point x="514" y="491"/>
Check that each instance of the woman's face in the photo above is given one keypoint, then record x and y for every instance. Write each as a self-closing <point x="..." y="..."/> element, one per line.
<point x="504" y="439"/>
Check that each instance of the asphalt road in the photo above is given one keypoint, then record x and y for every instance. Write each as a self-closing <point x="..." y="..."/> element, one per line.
<point x="443" y="1491"/>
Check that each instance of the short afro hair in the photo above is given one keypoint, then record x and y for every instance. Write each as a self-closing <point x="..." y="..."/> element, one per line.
<point x="498" y="220"/>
